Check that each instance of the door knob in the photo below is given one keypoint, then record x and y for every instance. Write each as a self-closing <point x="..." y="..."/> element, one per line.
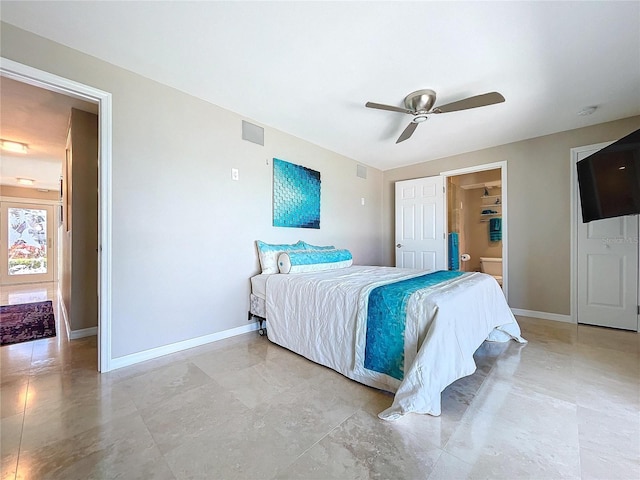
<point x="399" y="245"/>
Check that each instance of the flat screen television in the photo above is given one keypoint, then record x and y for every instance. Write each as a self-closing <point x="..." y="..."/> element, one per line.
<point x="609" y="180"/>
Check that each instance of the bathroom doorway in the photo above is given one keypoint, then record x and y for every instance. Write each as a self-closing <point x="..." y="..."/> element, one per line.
<point x="476" y="212"/>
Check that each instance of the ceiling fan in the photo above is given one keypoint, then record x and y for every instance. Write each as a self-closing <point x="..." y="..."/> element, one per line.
<point x="419" y="105"/>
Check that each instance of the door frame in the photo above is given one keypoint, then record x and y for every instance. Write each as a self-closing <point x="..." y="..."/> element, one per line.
<point x="48" y="81"/>
<point x="573" y="287"/>
<point x="502" y="165"/>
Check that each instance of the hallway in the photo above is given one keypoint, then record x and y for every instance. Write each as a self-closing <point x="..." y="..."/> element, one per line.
<point x="37" y="370"/>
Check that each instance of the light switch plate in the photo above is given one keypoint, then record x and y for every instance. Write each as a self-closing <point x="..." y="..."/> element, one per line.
<point x="235" y="175"/>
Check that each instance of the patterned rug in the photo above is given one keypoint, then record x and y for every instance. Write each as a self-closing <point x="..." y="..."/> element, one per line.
<point x="26" y="321"/>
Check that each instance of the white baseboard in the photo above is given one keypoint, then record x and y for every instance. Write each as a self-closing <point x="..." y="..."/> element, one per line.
<point x="179" y="346"/>
<point x="557" y="317"/>
<point x="73" y="334"/>
<point x="65" y="316"/>
<point x="85" y="332"/>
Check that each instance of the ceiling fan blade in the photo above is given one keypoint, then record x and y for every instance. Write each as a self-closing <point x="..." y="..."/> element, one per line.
<point x="471" y="102"/>
<point x="407" y="132"/>
<point x="391" y="108"/>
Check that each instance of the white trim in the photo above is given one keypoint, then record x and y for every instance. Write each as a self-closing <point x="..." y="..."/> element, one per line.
<point x="104" y="234"/>
<point x="65" y="316"/>
<point x="150" y="354"/>
<point x="557" y="317"/>
<point x="85" y="332"/>
<point x="573" y="287"/>
<point x="73" y="334"/>
<point x="502" y="165"/>
<point x="477" y="168"/>
<point x="46" y="80"/>
<point x="49" y="81"/>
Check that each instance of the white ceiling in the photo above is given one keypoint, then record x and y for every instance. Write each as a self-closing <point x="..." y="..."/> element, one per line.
<point x="40" y="119"/>
<point x="308" y="68"/>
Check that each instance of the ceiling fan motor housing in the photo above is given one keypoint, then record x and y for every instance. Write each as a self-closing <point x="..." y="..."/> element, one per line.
<point x="420" y="101"/>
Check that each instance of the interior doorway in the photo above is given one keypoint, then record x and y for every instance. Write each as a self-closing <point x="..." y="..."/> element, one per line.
<point x="605" y="256"/>
<point x="38" y="78"/>
<point x="476" y="212"/>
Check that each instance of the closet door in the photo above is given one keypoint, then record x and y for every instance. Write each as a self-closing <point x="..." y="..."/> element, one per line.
<point x="420" y="224"/>
<point x="607" y="277"/>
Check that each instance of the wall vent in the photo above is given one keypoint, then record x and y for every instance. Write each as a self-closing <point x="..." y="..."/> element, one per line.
<point x="252" y="133"/>
<point x="361" y="171"/>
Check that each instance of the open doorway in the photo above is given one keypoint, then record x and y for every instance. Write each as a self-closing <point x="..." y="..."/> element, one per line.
<point x="39" y="246"/>
<point x="476" y="220"/>
<point x="101" y="101"/>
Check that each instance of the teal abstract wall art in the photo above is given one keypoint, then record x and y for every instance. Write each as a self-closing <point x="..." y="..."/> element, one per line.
<point x="296" y="196"/>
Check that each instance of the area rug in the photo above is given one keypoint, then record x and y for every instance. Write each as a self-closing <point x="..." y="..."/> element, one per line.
<point x="26" y="321"/>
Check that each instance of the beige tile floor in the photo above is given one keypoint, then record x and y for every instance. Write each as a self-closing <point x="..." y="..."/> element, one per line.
<point x="564" y="406"/>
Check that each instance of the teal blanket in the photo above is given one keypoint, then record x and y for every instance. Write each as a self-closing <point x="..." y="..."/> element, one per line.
<point x="386" y="318"/>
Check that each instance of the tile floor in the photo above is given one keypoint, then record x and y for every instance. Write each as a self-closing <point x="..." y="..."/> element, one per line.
<point x="564" y="406"/>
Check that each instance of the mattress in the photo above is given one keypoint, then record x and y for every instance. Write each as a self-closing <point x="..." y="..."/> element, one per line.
<point x="259" y="285"/>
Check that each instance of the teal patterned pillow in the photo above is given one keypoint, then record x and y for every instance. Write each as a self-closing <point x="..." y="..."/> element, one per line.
<point x="313" y="260"/>
<point x="308" y="246"/>
<point x="268" y="254"/>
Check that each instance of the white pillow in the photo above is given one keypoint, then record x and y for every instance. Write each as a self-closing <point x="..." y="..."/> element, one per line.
<point x="268" y="254"/>
<point x="313" y="260"/>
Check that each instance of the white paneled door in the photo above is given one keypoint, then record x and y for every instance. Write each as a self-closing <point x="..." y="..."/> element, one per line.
<point x="420" y="240"/>
<point x="607" y="277"/>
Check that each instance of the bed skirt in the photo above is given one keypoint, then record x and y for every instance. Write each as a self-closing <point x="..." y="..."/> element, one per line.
<point x="257" y="306"/>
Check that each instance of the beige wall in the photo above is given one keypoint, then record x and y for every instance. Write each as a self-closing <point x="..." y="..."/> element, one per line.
<point x="538" y="207"/>
<point x="30" y="193"/>
<point x="183" y="232"/>
<point x="79" y="238"/>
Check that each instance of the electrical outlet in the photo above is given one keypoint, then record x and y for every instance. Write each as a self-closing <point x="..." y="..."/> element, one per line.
<point x="235" y="175"/>
<point x="362" y="201"/>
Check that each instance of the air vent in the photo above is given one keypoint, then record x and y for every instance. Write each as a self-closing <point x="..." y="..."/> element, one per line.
<point x="252" y="133"/>
<point x="361" y="171"/>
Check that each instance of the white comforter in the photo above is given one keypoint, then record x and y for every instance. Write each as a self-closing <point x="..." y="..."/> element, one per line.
<point x="322" y="316"/>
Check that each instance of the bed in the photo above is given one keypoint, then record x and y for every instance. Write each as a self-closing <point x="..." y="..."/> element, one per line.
<point x="400" y="330"/>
